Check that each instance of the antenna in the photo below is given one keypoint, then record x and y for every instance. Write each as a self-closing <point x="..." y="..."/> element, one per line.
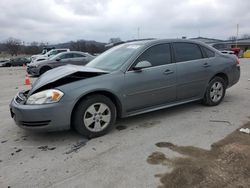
<point x="138" y="33"/>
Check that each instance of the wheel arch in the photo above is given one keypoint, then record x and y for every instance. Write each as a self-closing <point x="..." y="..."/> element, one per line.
<point x="221" y="75"/>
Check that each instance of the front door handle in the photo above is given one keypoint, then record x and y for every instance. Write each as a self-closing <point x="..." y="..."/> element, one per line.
<point x="205" y="65"/>
<point x="168" y="71"/>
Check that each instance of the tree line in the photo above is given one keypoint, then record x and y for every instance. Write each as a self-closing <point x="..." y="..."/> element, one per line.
<point x="244" y="36"/>
<point x="15" y="46"/>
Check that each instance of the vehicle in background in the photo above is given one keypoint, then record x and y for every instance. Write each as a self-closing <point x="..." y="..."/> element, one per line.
<point x="246" y="54"/>
<point x="225" y="48"/>
<point x="129" y="79"/>
<point x="227" y="52"/>
<point x="236" y="51"/>
<point x="64" y="58"/>
<point x="46" y="49"/>
<point x="3" y="62"/>
<point x="49" y="54"/>
<point x="19" y="61"/>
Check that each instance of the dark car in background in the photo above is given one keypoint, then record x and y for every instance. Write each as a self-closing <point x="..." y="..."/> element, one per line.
<point x="19" y="61"/>
<point x="126" y="80"/>
<point x="64" y="58"/>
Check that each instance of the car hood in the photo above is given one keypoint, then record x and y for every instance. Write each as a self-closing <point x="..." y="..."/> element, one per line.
<point x="63" y="72"/>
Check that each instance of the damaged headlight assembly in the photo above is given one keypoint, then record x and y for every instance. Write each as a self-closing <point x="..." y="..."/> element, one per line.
<point x="45" y="97"/>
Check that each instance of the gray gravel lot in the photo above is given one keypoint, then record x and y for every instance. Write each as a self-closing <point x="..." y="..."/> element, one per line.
<point x="119" y="159"/>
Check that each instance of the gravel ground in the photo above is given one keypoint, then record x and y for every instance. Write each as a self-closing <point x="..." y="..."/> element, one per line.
<point x="119" y="159"/>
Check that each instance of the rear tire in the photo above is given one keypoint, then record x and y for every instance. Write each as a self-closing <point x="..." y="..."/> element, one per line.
<point x="94" y="116"/>
<point x="44" y="69"/>
<point x="215" y="92"/>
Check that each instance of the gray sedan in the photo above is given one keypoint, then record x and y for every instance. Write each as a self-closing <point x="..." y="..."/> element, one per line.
<point x="72" y="57"/>
<point x="128" y="79"/>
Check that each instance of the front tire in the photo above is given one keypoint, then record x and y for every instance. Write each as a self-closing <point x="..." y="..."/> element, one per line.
<point x="94" y="116"/>
<point x="215" y="92"/>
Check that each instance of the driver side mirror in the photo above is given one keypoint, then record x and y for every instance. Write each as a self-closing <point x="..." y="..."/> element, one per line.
<point x="142" y="65"/>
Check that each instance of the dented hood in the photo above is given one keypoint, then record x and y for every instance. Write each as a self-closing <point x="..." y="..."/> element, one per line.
<point x="61" y="72"/>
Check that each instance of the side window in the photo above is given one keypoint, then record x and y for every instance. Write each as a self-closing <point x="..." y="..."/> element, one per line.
<point x="209" y="53"/>
<point x="66" y="56"/>
<point x="186" y="51"/>
<point x="157" y="55"/>
<point x="59" y="51"/>
<point x="78" y="55"/>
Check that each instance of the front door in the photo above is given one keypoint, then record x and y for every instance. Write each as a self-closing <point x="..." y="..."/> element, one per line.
<point x="152" y="86"/>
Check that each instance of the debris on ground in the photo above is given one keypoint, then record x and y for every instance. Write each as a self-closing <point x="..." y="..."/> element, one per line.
<point x="77" y="146"/>
<point x="220" y="121"/>
<point x="245" y="130"/>
<point x="46" y="148"/>
<point x="3" y="141"/>
<point x="17" y="151"/>
<point x="227" y="164"/>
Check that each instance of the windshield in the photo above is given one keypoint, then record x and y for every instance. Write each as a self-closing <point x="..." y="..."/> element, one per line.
<point x="55" y="56"/>
<point x="114" y="58"/>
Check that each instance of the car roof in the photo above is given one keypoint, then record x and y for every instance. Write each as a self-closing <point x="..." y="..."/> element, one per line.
<point x="151" y="42"/>
<point x="78" y="52"/>
<point x="155" y="41"/>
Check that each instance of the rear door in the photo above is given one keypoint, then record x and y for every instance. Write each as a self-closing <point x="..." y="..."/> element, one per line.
<point x="64" y="60"/>
<point x="79" y="59"/>
<point x="152" y="86"/>
<point x="192" y="70"/>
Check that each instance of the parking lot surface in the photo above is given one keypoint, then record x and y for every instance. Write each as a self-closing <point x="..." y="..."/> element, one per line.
<point x="121" y="158"/>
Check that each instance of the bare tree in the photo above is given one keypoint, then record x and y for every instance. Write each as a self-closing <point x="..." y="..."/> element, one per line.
<point x="232" y="38"/>
<point x="245" y="36"/>
<point x="79" y="45"/>
<point x="13" y="45"/>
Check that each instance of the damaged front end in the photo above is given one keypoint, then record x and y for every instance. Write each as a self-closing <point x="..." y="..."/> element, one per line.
<point x="41" y="107"/>
<point x="64" y="75"/>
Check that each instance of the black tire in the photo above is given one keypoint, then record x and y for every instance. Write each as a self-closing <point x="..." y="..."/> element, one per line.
<point x="44" y="69"/>
<point x="209" y="98"/>
<point x="81" y="112"/>
<point x="8" y="65"/>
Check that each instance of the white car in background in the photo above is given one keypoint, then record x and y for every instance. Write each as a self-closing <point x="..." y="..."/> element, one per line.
<point x="47" y="55"/>
<point x="227" y="52"/>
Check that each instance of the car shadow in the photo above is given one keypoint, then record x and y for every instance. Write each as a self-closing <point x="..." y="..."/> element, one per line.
<point x="158" y="114"/>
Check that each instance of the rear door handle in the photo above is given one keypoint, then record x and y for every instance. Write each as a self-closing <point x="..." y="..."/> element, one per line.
<point x="168" y="71"/>
<point x="205" y="65"/>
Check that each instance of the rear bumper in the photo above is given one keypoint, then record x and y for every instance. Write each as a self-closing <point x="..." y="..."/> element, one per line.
<point x="47" y="117"/>
<point x="234" y="76"/>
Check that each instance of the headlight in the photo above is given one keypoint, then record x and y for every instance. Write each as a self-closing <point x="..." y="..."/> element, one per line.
<point x="45" y="97"/>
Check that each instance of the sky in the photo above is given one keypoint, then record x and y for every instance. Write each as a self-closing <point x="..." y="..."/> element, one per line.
<point x="56" y="21"/>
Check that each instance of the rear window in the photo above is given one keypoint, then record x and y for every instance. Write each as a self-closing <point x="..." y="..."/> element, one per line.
<point x="187" y="52"/>
<point x="208" y="52"/>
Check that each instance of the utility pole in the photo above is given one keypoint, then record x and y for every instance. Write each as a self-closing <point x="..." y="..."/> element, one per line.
<point x="237" y="34"/>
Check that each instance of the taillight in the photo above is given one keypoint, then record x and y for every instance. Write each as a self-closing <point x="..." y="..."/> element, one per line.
<point x="237" y="62"/>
